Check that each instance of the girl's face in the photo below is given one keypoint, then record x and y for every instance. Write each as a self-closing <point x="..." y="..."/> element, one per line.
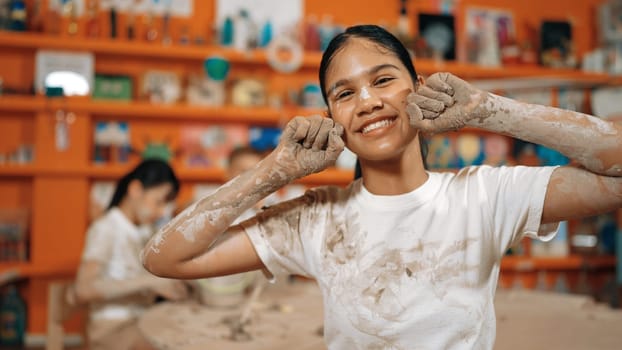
<point x="151" y="203"/>
<point x="367" y="88"/>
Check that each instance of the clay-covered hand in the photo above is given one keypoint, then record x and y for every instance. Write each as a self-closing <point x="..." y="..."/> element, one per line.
<point x="308" y="145"/>
<point x="173" y="290"/>
<point x="445" y="103"/>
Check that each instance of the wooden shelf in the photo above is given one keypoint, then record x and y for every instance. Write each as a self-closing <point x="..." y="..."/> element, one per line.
<point x="15" y="170"/>
<point x="127" y="48"/>
<point x="311" y="60"/>
<point x="106" y="108"/>
<point x="572" y="262"/>
<point x="332" y="176"/>
<point x="27" y="269"/>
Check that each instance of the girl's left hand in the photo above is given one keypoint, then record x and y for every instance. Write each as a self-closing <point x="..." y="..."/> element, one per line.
<point x="444" y="103"/>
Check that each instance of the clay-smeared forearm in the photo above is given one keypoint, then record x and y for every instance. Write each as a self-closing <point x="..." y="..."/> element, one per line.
<point x="594" y="143"/>
<point x="307" y="145"/>
<point x="197" y="227"/>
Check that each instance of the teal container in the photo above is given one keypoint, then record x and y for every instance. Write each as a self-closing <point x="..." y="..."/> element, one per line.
<point x="12" y="318"/>
<point x="216" y="68"/>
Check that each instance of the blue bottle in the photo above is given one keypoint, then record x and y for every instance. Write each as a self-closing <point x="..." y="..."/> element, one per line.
<point x="18" y="16"/>
<point x="266" y="34"/>
<point x="12" y="318"/>
<point x="226" y="33"/>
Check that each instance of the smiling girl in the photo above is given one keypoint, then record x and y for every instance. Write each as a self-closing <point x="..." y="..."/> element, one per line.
<point x="405" y="258"/>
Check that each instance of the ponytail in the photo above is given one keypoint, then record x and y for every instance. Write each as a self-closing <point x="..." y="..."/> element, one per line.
<point x="120" y="190"/>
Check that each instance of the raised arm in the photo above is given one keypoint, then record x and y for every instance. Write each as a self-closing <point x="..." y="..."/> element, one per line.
<point x="192" y="245"/>
<point x="594" y="143"/>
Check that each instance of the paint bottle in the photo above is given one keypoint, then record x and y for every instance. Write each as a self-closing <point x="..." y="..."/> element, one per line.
<point x="18" y="16"/>
<point x="243" y="32"/>
<point x="311" y="34"/>
<point x="266" y="34"/>
<point x="12" y="318"/>
<point x="226" y="33"/>
<point x="92" y="23"/>
<point x="403" y="22"/>
<point x="112" y="14"/>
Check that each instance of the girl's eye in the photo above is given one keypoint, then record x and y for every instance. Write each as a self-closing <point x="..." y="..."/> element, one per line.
<point x="383" y="80"/>
<point x="343" y="94"/>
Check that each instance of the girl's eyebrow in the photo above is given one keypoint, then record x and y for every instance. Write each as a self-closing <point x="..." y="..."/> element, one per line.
<point x="371" y="71"/>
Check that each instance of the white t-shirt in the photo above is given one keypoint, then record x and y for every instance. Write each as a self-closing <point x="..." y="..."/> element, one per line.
<point x="115" y="242"/>
<point x="411" y="271"/>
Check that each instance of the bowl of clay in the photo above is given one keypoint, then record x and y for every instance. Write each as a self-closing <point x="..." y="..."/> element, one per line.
<point x="225" y="291"/>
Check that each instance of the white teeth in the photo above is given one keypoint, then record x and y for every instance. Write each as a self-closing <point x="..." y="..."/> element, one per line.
<point x="376" y="125"/>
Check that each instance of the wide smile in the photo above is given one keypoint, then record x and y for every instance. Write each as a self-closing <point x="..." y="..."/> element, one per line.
<point x="377" y="125"/>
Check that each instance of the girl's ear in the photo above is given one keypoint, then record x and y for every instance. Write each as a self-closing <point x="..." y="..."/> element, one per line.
<point x="327" y="114"/>
<point x="134" y="189"/>
<point x="420" y="80"/>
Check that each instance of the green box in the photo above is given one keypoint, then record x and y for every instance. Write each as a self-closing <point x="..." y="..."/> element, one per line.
<point x="112" y="87"/>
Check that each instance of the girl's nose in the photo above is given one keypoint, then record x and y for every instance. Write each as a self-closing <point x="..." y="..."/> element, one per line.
<point x="368" y="101"/>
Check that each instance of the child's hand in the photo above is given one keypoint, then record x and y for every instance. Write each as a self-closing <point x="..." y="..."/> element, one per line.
<point x="173" y="290"/>
<point x="445" y="103"/>
<point x="308" y="145"/>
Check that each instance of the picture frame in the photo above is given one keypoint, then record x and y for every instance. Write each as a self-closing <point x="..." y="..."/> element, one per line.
<point x="439" y="32"/>
<point x="610" y="21"/>
<point x="487" y="30"/>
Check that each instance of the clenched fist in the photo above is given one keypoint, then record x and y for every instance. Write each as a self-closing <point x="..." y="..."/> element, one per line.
<point x="308" y="145"/>
<point x="446" y="103"/>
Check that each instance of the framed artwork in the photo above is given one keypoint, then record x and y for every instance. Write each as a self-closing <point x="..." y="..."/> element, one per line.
<point x="487" y="30"/>
<point x="439" y="32"/>
<point x="556" y="36"/>
<point x="610" y="15"/>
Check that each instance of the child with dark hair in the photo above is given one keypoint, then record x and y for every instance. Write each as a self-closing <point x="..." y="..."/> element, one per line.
<point x="111" y="278"/>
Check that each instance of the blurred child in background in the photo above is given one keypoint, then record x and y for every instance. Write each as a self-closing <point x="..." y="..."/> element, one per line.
<point x="111" y="278"/>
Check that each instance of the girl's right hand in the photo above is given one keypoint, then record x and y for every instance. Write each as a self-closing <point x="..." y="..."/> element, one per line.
<point x="308" y="145"/>
<point x="173" y="290"/>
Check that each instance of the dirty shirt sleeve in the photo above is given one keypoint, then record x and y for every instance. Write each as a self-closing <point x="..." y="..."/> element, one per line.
<point x="284" y="235"/>
<point x="516" y="199"/>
